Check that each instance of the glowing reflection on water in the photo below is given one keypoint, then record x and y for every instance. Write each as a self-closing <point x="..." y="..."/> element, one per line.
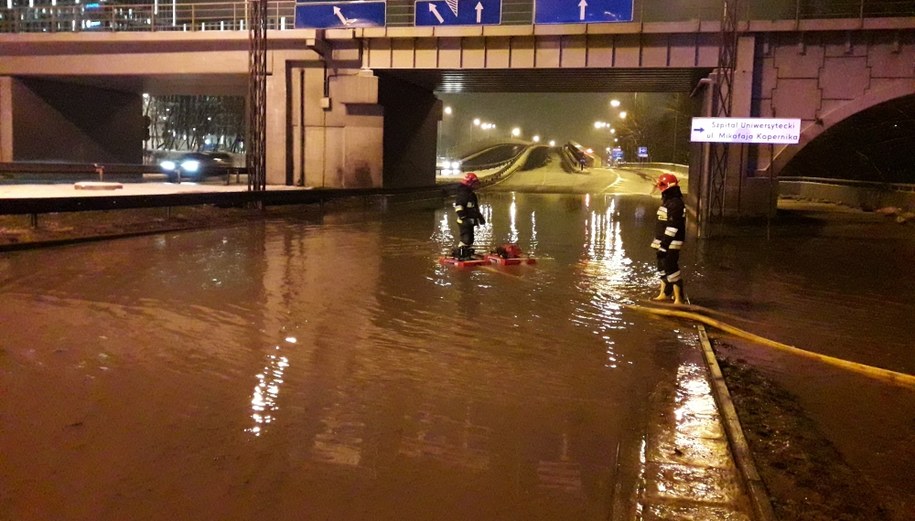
<point x="264" y="397"/>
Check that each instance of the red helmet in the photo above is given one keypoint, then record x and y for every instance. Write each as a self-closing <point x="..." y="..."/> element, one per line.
<point x="665" y="181"/>
<point x="470" y="179"/>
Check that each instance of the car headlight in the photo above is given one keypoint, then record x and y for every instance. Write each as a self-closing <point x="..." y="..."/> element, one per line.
<point x="167" y="165"/>
<point x="191" y="165"/>
<point x="456" y="165"/>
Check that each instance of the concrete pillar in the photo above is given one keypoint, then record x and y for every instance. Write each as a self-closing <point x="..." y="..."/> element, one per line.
<point x="410" y="133"/>
<point x="275" y="146"/>
<point x="6" y="119"/>
<point x="335" y="128"/>
<point x="747" y="195"/>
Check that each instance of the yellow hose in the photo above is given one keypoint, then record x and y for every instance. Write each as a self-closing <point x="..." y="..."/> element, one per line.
<point x="893" y="377"/>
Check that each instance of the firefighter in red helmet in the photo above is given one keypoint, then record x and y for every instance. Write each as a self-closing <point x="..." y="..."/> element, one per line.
<point x="467" y="208"/>
<point x="670" y="231"/>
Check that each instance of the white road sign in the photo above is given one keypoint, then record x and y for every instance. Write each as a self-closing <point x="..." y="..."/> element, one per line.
<point x="746" y="130"/>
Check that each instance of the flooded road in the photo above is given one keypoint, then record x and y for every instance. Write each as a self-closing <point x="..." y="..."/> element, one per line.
<point x="327" y="367"/>
<point x="332" y="367"/>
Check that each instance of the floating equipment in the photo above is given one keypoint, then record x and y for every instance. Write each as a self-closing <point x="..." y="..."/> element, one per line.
<point x="468" y="263"/>
<point x="510" y="261"/>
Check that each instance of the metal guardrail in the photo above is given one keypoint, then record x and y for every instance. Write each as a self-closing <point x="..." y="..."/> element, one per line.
<point x="233" y="16"/>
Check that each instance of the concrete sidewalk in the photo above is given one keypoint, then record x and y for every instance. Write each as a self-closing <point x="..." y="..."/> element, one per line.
<point x="108" y="189"/>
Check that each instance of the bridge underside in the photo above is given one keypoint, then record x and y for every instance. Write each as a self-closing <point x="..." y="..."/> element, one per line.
<point x="447" y="81"/>
<point x="162" y="84"/>
<point x="566" y="80"/>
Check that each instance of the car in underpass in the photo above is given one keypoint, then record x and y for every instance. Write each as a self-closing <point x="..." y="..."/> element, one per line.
<point x="197" y="166"/>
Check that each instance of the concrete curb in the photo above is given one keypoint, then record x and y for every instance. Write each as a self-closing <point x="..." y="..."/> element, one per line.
<point x="743" y="458"/>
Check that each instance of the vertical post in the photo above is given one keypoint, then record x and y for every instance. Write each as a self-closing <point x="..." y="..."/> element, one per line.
<point x="771" y="209"/>
<point x="721" y="106"/>
<point x="255" y="139"/>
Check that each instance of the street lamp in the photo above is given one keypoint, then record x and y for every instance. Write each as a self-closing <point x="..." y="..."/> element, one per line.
<point x="614" y="103"/>
<point x="516" y="132"/>
<point x="536" y="139"/>
<point x="448" y="110"/>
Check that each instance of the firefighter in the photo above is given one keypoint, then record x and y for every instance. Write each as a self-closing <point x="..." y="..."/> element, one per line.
<point x="467" y="208"/>
<point x="670" y="231"/>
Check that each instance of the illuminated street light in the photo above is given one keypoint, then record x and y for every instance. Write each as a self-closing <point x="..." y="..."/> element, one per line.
<point x="614" y="103"/>
<point x="536" y="139"/>
<point x="476" y="122"/>
<point x="448" y="110"/>
<point x="552" y="142"/>
<point x="516" y="132"/>
<point x="623" y="115"/>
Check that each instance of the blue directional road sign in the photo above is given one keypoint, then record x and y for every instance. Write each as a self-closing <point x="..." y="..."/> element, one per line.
<point x="339" y="15"/>
<point x="582" y="11"/>
<point x="457" y="12"/>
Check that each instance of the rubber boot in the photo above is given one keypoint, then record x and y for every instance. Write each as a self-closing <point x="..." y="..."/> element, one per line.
<point x="679" y="296"/>
<point x="465" y="253"/>
<point x="662" y="295"/>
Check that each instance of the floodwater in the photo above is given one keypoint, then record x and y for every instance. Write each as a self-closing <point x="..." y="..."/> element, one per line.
<point x="839" y="284"/>
<point x="330" y="368"/>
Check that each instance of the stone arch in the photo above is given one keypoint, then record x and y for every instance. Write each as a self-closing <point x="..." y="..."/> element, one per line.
<point x="826" y="121"/>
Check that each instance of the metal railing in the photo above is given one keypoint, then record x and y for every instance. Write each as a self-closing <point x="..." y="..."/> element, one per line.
<point x="232" y="16"/>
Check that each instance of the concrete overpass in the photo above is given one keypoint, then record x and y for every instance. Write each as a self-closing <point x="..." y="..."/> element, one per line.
<point x="358" y="107"/>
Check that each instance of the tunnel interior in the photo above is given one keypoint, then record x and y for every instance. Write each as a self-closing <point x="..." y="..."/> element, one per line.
<point x="480" y="107"/>
<point x="876" y="144"/>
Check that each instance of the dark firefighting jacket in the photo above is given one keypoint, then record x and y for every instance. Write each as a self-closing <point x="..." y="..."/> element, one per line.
<point x="467" y="206"/>
<point x="670" y="229"/>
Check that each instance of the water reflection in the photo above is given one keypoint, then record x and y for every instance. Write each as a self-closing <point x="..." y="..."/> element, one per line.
<point x="562" y="473"/>
<point x="453" y="442"/>
<point x="264" y="398"/>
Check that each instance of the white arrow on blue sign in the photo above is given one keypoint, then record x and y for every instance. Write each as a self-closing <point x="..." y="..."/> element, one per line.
<point x="457" y="12"/>
<point x="582" y="11"/>
<point x="339" y="15"/>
